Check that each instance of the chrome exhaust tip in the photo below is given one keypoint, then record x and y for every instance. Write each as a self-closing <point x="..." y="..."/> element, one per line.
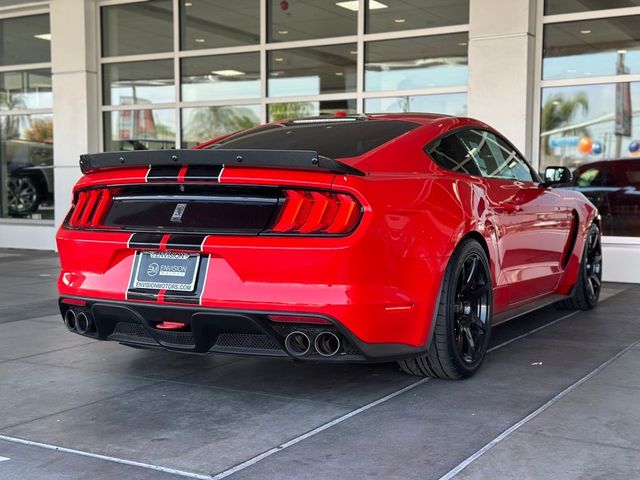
<point x="69" y="320"/>
<point x="297" y="343"/>
<point x="327" y="344"/>
<point x="83" y="323"/>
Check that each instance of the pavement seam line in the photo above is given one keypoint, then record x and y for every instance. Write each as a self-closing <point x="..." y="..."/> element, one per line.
<point x="107" y="458"/>
<point x="469" y="460"/>
<point x="268" y="453"/>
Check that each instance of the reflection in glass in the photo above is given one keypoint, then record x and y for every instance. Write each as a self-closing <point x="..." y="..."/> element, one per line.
<point x="291" y="110"/>
<point x="206" y="123"/>
<point x="25" y="40"/>
<point x="554" y="7"/>
<point x="26" y="166"/>
<point x="591" y="48"/>
<point x="583" y="128"/>
<point x="138" y="82"/>
<point x="136" y="28"/>
<point x="221" y="77"/>
<point x="312" y="71"/>
<point x="144" y="129"/>
<point x="421" y="62"/>
<point x="305" y="19"/>
<point x="396" y="15"/>
<point x="219" y="23"/>
<point x="447" y="103"/>
<point x="26" y="89"/>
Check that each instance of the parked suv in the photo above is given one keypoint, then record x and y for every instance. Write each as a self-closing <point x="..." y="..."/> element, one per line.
<point x="614" y="187"/>
<point x="30" y="175"/>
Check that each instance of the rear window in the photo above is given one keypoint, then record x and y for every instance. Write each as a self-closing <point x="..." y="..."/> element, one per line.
<point x="333" y="140"/>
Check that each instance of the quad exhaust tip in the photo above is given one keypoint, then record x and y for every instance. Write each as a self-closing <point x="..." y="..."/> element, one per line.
<point x="83" y="323"/>
<point x="297" y="343"/>
<point x="327" y="344"/>
<point x="69" y="320"/>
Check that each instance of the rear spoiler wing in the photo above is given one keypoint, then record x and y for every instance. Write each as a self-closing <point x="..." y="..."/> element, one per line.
<point x="285" y="159"/>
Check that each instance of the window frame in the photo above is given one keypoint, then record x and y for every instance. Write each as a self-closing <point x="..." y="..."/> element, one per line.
<point x="428" y="148"/>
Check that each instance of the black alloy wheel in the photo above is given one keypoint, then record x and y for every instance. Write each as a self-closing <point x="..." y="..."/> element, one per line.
<point x="471" y="309"/>
<point x="462" y="329"/>
<point x="23" y="196"/>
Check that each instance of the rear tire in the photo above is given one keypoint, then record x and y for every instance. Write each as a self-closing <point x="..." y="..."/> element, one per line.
<point x="587" y="290"/>
<point x="463" y="319"/>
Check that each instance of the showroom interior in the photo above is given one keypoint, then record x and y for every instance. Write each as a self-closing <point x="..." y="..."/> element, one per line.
<point x="559" y="78"/>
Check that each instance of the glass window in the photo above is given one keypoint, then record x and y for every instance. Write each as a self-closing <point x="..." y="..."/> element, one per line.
<point x="590" y="177"/>
<point x="25" y="40"/>
<point x="26" y="166"/>
<point x="411" y="63"/>
<point x="25" y="89"/>
<point x="450" y="154"/>
<point x="581" y="124"/>
<point x="206" y="123"/>
<point x="143" y="129"/>
<point x="305" y="19"/>
<point x="591" y="48"/>
<point x="138" y="82"/>
<point x="291" y="110"/>
<point x="395" y="15"/>
<point x="136" y="28"/>
<point x="331" y="139"/>
<point x="219" y="23"/>
<point x="446" y="103"/>
<point x="312" y="71"/>
<point x="553" y="7"/>
<point x="495" y="157"/>
<point x="221" y="77"/>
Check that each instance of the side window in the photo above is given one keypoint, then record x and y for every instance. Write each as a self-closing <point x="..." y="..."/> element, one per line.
<point x="495" y="157"/>
<point x="591" y="177"/>
<point x="450" y="154"/>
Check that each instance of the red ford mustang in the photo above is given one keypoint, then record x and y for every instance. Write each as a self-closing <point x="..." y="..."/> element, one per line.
<point x="359" y="238"/>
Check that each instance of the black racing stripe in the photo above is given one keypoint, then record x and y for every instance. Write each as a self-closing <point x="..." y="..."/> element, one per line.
<point x="203" y="173"/>
<point x="191" y="298"/>
<point x="142" y="294"/>
<point x="161" y="173"/>
<point x="146" y="240"/>
<point x="185" y="242"/>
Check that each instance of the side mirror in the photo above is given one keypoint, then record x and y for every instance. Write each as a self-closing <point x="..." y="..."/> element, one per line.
<point x="557" y="175"/>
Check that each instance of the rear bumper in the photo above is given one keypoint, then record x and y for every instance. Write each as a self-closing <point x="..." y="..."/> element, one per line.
<point x="210" y="330"/>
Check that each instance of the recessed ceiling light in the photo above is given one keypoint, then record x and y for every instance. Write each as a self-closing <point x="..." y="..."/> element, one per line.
<point x="279" y="59"/>
<point x="43" y="36"/>
<point x="227" y="73"/>
<point x="622" y="51"/>
<point x="187" y="4"/>
<point x="399" y="20"/>
<point x="199" y="40"/>
<point x="585" y="32"/>
<point x="353" y="52"/>
<point x="462" y="44"/>
<point x="353" y="5"/>
<point x="283" y="32"/>
<point x="339" y="74"/>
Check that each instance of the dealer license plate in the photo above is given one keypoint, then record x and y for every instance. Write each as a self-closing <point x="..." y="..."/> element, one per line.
<point x="167" y="271"/>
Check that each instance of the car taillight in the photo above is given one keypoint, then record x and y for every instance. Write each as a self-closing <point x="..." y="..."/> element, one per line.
<point x="312" y="212"/>
<point x="90" y="207"/>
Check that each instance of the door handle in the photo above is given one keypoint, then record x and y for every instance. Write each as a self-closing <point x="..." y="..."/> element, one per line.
<point x="507" y="207"/>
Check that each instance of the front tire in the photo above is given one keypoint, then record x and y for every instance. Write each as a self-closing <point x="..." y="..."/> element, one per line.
<point x="463" y="319"/>
<point x="587" y="290"/>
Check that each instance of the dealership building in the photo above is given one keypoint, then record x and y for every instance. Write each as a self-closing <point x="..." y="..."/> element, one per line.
<point x="560" y="78"/>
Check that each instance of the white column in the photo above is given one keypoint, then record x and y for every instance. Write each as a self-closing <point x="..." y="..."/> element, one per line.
<point x="501" y="67"/>
<point x="75" y="93"/>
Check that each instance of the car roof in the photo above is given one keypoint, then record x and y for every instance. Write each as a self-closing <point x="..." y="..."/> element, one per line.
<point x="612" y="162"/>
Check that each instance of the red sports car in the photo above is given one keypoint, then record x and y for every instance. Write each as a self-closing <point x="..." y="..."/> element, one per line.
<point x="356" y="238"/>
